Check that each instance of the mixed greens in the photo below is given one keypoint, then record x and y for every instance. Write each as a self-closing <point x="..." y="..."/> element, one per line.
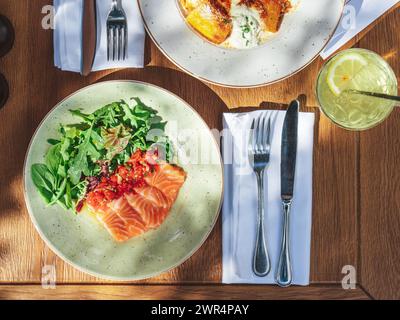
<point x="99" y="143"/>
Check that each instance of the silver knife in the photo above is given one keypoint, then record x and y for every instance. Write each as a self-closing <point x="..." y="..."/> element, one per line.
<point x="283" y="275"/>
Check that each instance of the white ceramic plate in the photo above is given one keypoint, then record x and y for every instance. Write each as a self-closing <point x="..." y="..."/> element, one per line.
<point x="85" y="244"/>
<point x="304" y="33"/>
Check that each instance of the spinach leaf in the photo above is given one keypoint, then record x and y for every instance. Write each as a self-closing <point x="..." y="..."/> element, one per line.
<point x="44" y="181"/>
<point x="60" y="192"/>
<point x="53" y="159"/>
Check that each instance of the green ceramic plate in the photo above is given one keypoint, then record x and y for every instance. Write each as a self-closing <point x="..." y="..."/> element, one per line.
<point x="85" y="244"/>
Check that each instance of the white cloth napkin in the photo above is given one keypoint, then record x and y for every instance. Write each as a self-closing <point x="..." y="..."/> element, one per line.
<point x="240" y="200"/>
<point x="358" y="14"/>
<point x="68" y="36"/>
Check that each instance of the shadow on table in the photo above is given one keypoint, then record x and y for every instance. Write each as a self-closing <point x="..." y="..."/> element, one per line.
<point x="205" y="265"/>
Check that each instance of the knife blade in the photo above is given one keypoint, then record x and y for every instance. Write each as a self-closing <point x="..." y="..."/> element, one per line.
<point x="89" y="31"/>
<point x="289" y="150"/>
<point x="283" y="275"/>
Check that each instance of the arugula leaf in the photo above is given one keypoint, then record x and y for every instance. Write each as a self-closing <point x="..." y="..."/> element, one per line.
<point x="79" y="190"/>
<point x="53" y="141"/>
<point x="97" y="140"/>
<point x="79" y="164"/>
<point x="129" y="116"/>
<point x="84" y="116"/>
<point x="65" y="148"/>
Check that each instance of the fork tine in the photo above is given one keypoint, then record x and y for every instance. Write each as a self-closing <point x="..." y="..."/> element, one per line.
<point x="259" y="134"/>
<point x="250" y="145"/>
<point x="114" y="42"/>
<point x="125" y="40"/>
<point x="268" y="142"/>
<point x="251" y="137"/>
<point x="108" y="42"/>
<point x="119" y="42"/>
<point x="263" y="133"/>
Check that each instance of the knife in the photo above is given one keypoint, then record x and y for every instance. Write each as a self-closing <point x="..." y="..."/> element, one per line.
<point x="288" y="168"/>
<point x="89" y="31"/>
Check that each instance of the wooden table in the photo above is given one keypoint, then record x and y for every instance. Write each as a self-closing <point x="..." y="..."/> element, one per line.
<point x="356" y="214"/>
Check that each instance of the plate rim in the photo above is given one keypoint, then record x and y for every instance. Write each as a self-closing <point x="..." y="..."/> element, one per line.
<point x="237" y="86"/>
<point x="83" y="269"/>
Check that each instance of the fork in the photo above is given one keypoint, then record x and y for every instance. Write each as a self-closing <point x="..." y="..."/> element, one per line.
<point x="259" y="153"/>
<point x="117" y="31"/>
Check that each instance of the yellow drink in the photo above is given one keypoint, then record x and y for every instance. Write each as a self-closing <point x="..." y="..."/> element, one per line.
<point x="357" y="69"/>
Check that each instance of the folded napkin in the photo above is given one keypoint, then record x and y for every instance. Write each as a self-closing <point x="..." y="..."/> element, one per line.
<point x="358" y="14"/>
<point x="68" y="35"/>
<point x="240" y="200"/>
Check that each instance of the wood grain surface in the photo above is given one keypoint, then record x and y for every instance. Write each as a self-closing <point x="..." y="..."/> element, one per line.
<point x="162" y="292"/>
<point x="356" y="204"/>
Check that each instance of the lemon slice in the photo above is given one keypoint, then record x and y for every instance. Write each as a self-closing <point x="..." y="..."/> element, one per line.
<point x="342" y="73"/>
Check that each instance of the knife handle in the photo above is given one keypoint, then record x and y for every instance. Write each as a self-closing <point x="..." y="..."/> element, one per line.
<point x="284" y="272"/>
<point x="88" y="36"/>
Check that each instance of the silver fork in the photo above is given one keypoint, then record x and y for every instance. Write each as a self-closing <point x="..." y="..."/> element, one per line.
<point x="259" y="153"/>
<point x="117" y="32"/>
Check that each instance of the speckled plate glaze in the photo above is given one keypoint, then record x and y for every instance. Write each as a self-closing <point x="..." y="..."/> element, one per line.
<point x="304" y="33"/>
<point x="85" y="244"/>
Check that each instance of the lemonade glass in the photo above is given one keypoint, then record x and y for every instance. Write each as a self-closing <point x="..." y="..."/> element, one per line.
<point x="356" y="69"/>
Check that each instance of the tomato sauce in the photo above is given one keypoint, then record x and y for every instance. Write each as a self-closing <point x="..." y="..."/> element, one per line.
<point x="125" y="179"/>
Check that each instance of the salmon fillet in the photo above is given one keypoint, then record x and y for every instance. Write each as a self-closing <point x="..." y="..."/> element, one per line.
<point x="154" y="201"/>
<point x="169" y="179"/>
<point x="151" y="214"/>
<point x="131" y="217"/>
<point x="117" y="227"/>
<point x="143" y="209"/>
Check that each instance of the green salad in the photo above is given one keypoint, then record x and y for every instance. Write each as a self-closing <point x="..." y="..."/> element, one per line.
<point x="100" y="142"/>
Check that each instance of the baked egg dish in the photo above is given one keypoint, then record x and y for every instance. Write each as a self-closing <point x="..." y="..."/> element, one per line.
<point x="238" y="24"/>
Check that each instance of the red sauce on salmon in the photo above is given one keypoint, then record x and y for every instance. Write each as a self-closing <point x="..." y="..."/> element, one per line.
<point x="124" y="180"/>
<point x="136" y="197"/>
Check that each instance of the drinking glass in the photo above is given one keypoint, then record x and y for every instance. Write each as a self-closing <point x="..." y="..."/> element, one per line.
<point x="350" y="70"/>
